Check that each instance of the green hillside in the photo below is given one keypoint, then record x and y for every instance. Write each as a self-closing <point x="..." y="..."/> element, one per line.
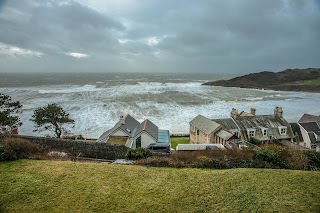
<point x="62" y="186"/>
<point x="288" y="80"/>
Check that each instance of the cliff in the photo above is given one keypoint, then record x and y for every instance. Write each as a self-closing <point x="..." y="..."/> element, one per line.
<point x="288" y="80"/>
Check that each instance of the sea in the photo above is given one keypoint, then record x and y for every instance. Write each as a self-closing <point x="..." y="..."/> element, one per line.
<point x="170" y="100"/>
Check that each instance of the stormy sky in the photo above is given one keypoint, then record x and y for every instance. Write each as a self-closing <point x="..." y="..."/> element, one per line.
<point x="214" y="36"/>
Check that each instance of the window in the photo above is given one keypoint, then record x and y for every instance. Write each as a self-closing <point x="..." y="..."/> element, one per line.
<point x="283" y="130"/>
<point x="198" y="132"/>
<point x="138" y="142"/>
<point x="193" y="129"/>
<point x="264" y="132"/>
<point x="251" y="132"/>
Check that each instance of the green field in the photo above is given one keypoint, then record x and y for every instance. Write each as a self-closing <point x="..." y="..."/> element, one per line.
<point x="178" y="140"/>
<point x="315" y="82"/>
<point x="62" y="186"/>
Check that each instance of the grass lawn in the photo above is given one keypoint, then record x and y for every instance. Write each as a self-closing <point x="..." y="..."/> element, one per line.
<point x="62" y="186"/>
<point x="178" y="140"/>
<point x="315" y="82"/>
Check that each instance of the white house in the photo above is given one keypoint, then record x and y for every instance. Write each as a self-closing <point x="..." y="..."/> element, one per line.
<point x="135" y="134"/>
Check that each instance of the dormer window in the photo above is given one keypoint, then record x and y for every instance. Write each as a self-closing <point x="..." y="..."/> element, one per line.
<point x="283" y="130"/>
<point x="264" y="131"/>
<point x="251" y="132"/>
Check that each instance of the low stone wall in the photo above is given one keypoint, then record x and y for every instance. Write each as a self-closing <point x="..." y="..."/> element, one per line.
<point x="79" y="148"/>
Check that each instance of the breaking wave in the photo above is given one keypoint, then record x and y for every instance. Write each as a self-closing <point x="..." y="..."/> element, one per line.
<point x="95" y="107"/>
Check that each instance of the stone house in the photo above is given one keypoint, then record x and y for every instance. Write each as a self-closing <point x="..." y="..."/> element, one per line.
<point x="134" y="134"/>
<point x="242" y="126"/>
<point x="206" y="131"/>
<point x="266" y="128"/>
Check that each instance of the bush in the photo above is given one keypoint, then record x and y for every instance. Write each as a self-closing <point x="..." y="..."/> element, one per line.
<point x="255" y="141"/>
<point x="313" y="160"/>
<point x="139" y="153"/>
<point x="160" y="162"/>
<point x="15" y="148"/>
<point x="6" y="153"/>
<point x="272" y="157"/>
<point x="269" y="156"/>
<point x="73" y="137"/>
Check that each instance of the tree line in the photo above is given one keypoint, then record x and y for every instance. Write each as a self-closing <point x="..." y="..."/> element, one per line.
<point x="51" y="117"/>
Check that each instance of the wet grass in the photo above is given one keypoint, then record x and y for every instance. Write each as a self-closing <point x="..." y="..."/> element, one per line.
<point x="62" y="186"/>
<point x="178" y="140"/>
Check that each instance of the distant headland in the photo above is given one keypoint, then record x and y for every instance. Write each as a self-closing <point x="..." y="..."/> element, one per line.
<point x="307" y="80"/>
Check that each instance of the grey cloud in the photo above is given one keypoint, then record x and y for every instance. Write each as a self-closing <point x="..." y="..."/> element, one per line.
<point x="228" y="36"/>
<point x="55" y="26"/>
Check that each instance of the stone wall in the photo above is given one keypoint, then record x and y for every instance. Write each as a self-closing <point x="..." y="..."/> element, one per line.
<point x="79" y="148"/>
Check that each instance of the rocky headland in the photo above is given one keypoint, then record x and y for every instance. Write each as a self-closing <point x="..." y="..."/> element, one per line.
<point x="307" y="80"/>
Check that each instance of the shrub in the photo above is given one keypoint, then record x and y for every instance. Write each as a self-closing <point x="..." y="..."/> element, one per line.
<point x="255" y="141"/>
<point x="268" y="156"/>
<point x="6" y="153"/>
<point x="139" y="153"/>
<point x="18" y="149"/>
<point x="73" y="137"/>
<point x="272" y="157"/>
<point x="313" y="160"/>
<point x="161" y="162"/>
<point x="299" y="160"/>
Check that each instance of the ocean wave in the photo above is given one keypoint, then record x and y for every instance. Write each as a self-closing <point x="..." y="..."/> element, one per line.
<point x="69" y="89"/>
<point x="170" y="105"/>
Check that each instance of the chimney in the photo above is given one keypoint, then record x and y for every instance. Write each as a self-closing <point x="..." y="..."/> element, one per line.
<point x="278" y="111"/>
<point x="253" y="111"/>
<point x="234" y="113"/>
<point x="122" y="119"/>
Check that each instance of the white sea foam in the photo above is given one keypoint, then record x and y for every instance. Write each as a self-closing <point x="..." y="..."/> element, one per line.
<point x="69" y="89"/>
<point x="169" y="105"/>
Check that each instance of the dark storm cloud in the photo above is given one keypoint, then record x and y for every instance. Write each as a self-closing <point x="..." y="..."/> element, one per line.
<point x="135" y="35"/>
<point x="56" y="26"/>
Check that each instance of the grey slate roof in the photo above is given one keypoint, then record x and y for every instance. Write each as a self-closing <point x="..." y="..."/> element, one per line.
<point x="128" y="127"/>
<point x="267" y="121"/>
<point x="105" y="135"/>
<point x="296" y="131"/>
<point x="312" y="137"/>
<point x="311" y="127"/>
<point x="149" y="127"/>
<point x="224" y="134"/>
<point x="309" y="118"/>
<point x="271" y="122"/>
<point x="227" y="123"/>
<point x="204" y="124"/>
<point x="130" y="124"/>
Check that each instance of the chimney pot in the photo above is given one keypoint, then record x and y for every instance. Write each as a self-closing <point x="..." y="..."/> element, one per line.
<point x="278" y="111"/>
<point x="253" y="111"/>
<point x="234" y="113"/>
<point x="122" y="119"/>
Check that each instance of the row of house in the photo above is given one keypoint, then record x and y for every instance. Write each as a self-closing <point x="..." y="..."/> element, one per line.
<point x="245" y="126"/>
<point x="240" y="128"/>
